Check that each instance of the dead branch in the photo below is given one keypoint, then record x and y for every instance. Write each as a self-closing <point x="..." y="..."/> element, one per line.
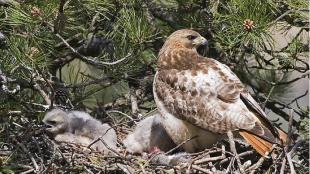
<point x="234" y="151"/>
<point x="26" y="151"/>
<point x="98" y="64"/>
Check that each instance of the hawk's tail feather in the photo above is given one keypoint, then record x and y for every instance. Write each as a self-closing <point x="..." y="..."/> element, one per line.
<point x="282" y="136"/>
<point x="262" y="146"/>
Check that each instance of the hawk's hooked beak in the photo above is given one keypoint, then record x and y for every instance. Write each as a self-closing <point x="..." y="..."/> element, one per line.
<point x="200" y="41"/>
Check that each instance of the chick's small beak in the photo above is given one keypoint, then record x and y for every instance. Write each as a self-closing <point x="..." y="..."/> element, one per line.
<point x="47" y="126"/>
<point x="200" y="41"/>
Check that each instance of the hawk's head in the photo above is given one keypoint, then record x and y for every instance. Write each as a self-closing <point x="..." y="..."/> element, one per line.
<point x="185" y="38"/>
<point x="179" y="50"/>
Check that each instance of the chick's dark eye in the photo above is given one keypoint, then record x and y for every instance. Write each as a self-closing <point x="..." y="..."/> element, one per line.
<point x="51" y="122"/>
<point x="191" y="37"/>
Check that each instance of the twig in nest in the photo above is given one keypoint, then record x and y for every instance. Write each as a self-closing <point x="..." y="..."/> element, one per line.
<point x="230" y="164"/>
<point x="240" y="155"/>
<point x="89" y="164"/>
<point x="213" y="169"/>
<point x="96" y="140"/>
<point x="196" y="167"/>
<point x="104" y="143"/>
<point x="119" y="112"/>
<point x="288" y="143"/>
<point x="23" y="147"/>
<point x="294" y="148"/>
<point x="134" y="102"/>
<point x="28" y="171"/>
<point x="50" y="102"/>
<point x="201" y="154"/>
<point x="289" y="159"/>
<point x="89" y="171"/>
<point x="124" y="168"/>
<point x="209" y="159"/>
<point x="54" y="150"/>
<point x="108" y="147"/>
<point x="234" y="151"/>
<point x="43" y="94"/>
<point x="290" y="128"/>
<point x="255" y="166"/>
<point x="283" y="166"/>
<point x="179" y="145"/>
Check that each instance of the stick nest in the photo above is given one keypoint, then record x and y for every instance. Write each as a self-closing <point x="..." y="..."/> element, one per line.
<point x="26" y="148"/>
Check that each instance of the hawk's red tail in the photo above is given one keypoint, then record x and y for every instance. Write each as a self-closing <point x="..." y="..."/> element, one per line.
<point x="262" y="146"/>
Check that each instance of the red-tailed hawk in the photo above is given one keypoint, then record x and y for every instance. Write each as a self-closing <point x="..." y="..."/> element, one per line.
<point x="199" y="96"/>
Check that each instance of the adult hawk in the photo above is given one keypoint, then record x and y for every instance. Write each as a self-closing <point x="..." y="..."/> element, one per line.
<point x="201" y="97"/>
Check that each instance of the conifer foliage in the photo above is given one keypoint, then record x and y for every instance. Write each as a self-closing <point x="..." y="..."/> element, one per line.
<point x="100" y="56"/>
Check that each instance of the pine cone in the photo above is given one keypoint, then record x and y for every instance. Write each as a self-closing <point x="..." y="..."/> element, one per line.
<point x="61" y="96"/>
<point x="248" y="24"/>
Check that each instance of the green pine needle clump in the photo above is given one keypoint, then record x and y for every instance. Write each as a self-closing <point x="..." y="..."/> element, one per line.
<point x="232" y="31"/>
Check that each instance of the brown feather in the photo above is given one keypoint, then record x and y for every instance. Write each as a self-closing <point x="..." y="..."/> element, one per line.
<point x="263" y="132"/>
<point x="263" y="147"/>
<point x="255" y="108"/>
<point x="282" y="135"/>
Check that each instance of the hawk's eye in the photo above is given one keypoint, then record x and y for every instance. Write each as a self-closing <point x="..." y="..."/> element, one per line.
<point x="191" y="37"/>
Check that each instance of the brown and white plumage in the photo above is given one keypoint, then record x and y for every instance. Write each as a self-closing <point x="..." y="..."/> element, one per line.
<point x="203" y="97"/>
